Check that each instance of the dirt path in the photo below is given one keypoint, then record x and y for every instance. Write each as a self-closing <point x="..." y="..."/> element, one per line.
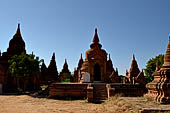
<point x="28" y="104"/>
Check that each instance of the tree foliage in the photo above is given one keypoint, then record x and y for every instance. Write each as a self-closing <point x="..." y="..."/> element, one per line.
<point x="151" y="66"/>
<point x="23" y="65"/>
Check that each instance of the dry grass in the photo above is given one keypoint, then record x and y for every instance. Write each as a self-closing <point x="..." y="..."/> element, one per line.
<point x="118" y="105"/>
<point x="28" y="104"/>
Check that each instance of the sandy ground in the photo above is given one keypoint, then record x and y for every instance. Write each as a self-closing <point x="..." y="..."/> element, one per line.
<point x="117" y="104"/>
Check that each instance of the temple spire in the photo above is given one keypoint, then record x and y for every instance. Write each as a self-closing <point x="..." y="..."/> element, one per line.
<point x="65" y="61"/>
<point x="133" y="57"/>
<point x="134" y="70"/>
<point x="18" y="29"/>
<point x="167" y="55"/>
<point x="53" y="57"/>
<point x="95" y="38"/>
<point x="81" y="57"/>
<point x="109" y="57"/>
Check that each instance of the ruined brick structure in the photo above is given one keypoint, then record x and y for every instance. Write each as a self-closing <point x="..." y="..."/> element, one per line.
<point x="16" y="47"/>
<point x="134" y="75"/>
<point x="96" y="64"/>
<point x="159" y="88"/>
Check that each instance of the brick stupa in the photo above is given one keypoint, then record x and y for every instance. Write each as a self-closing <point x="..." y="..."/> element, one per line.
<point x="159" y="88"/>
<point x="96" y="64"/>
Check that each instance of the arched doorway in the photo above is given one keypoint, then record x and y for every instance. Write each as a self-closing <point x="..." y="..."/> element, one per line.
<point x="97" y="73"/>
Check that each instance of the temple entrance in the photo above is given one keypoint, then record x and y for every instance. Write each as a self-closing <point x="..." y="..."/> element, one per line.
<point x="97" y="73"/>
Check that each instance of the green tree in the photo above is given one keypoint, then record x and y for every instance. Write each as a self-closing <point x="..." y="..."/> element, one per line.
<point x="151" y="66"/>
<point x="23" y="65"/>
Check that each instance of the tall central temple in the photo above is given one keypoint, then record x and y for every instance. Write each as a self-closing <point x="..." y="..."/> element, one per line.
<point x="96" y="65"/>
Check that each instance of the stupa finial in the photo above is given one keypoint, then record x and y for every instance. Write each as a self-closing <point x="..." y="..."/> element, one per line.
<point x="109" y="57"/>
<point x="18" y="29"/>
<point x="95" y="38"/>
<point x="53" y="57"/>
<point x="133" y="57"/>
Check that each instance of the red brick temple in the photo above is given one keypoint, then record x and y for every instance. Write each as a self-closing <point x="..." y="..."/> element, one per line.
<point x="134" y="75"/>
<point x="96" y="64"/>
<point x="16" y="47"/>
<point x="96" y="79"/>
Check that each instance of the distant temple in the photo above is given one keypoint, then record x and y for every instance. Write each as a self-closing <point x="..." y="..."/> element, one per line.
<point x="96" y="65"/>
<point x="134" y="75"/>
<point x="16" y="47"/>
<point x="65" y="74"/>
<point x="52" y="73"/>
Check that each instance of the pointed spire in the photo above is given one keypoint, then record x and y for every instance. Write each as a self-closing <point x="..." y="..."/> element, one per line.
<point x="65" y="63"/>
<point x="81" y="57"/>
<point x="133" y="57"/>
<point x="65" y="60"/>
<point x="95" y="38"/>
<point x="43" y="66"/>
<point x="53" y="57"/>
<point x="0" y="52"/>
<point x="134" y="70"/>
<point x="167" y="55"/>
<point x="18" y="29"/>
<point x="65" y="67"/>
<point x="109" y="57"/>
<point x="80" y="62"/>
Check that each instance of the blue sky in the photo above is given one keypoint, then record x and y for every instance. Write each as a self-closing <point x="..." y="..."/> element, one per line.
<point x="66" y="27"/>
